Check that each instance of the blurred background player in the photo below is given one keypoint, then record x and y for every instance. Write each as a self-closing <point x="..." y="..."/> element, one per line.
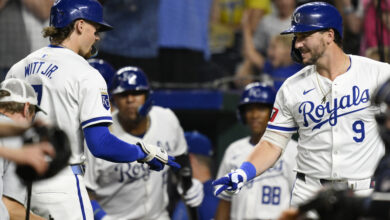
<point x="131" y="190"/>
<point x="76" y="100"/>
<point x="18" y="104"/>
<point x="104" y="68"/>
<point x="200" y="151"/>
<point x="107" y="71"/>
<point x="267" y="195"/>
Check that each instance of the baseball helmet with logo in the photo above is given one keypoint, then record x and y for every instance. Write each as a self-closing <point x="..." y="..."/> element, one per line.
<point x="133" y="79"/>
<point x="315" y="16"/>
<point x="64" y="12"/>
<point x="255" y="93"/>
<point x="104" y="68"/>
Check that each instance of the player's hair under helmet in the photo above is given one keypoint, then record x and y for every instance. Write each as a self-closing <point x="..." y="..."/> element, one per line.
<point x="255" y="93"/>
<point x="105" y="69"/>
<point x="381" y="98"/>
<point x="313" y="16"/>
<point x="64" y="12"/>
<point x="133" y="79"/>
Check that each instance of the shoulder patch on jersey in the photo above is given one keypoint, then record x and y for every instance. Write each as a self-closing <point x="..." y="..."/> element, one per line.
<point x="105" y="100"/>
<point x="273" y="114"/>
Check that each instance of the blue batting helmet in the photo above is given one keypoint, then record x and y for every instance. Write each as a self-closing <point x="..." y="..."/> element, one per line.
<point x="256" y="92"/>
<point x="198" y="143"/>
<point x="133" y="79"/>
<point x="315" y="16"/>
<point x="105" y="69"/>
<point x="64" y="12"/>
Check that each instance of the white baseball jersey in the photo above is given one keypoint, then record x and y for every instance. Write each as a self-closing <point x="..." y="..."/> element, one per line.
<point x="10" y="184"/>
<point x="74" y="95"/>
<point x="338" y="139"/>
<point x="265" y="196"/>
<point x="131" y="190"/>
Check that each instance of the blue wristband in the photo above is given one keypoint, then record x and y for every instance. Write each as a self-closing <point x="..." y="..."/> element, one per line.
<point x="98" y="212"/>
<point x="249" y="169"/>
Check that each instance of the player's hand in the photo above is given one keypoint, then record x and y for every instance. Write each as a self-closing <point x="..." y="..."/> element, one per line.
<point x="289" y="214"/>
<point x="34" y="155"/>
<point x="157" y="157"/>
<point x="231" y="182"/>
<point x="194" y="195"/>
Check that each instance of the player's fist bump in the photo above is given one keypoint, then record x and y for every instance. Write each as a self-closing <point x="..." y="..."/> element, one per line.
<point x="235" y="180"/>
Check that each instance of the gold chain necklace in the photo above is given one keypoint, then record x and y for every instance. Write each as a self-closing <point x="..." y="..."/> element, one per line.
<point x="323" y="100"/>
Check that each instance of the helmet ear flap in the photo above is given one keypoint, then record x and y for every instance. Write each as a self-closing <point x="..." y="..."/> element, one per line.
<point x="295" y="53"/>
<point x="145" y="108"/>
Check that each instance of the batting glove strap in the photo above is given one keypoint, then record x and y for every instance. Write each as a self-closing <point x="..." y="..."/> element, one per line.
<point x="152" y="151"/>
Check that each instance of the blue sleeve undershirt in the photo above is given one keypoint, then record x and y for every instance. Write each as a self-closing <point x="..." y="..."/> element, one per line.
<point x="104" y="145"/>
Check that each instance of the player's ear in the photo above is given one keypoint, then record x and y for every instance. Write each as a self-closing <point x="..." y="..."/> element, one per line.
<point x="330" y="36"/>
<point x="25" y="109"/>
<point x="79" y="25"/>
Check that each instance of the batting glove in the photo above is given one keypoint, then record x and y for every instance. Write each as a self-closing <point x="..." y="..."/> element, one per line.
<point x="157" y="157"/>
<point x="231" y="182"/>
<point x="194" y="195"/>
<point x="234" y="181"/>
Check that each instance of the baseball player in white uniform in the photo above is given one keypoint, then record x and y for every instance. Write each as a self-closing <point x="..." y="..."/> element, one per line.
<point x="267" y="195"/>
<point x="75" y="98"/>
<point x="328" y="103"/>
<point x="18" y="104"/>
<point x="132" y="190"/>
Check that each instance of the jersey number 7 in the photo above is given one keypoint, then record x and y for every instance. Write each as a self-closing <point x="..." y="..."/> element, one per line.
<point x="38" y="90"/>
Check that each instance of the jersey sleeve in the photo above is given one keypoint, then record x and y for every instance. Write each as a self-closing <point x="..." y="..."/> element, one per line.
<point x="282" y="119"/>
<point x="385" y="74"/>
<point x="94" y="101"/>
<point x="13" y="187"/>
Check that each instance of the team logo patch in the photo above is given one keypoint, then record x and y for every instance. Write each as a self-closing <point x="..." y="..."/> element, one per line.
<point x="273" y="114"/>
<point x="297" y="18"/>
<point x="105" y="101"/>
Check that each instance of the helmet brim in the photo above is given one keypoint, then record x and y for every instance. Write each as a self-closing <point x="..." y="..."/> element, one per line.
<point x="104" y="26"/>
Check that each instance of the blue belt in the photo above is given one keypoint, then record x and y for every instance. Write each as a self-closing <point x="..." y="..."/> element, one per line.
<point x="78" y="169"/>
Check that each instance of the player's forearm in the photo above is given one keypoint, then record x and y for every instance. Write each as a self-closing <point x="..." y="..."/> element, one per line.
<point x="264" y="155"/>
<point x="104" y="145"/>
<point x="223" y="210"/>
<point x="12" y="129"/>
<point x="11" y="154"/>
<point x="17" y="210"/>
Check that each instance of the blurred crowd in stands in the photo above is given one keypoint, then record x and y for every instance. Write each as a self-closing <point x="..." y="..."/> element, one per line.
<point x="183" y="44"/>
